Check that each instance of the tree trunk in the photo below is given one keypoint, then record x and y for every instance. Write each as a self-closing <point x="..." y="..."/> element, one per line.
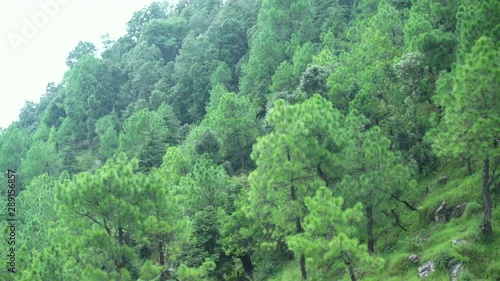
<point x="166" y="273"/>
<point x="299" y="229"/>
<point x="469" y="166"/>
<point x="160" y="252"/>
<point x="487" y="227"/>
<point x="240" y="150"/>
<point x="298" y="225"/>
<point x="369" y="229"/>
<point x="246" y="261"/>
<point x="322" y="175"/>
<point x="302" y="263"/>
<point x="352" y="273"/>
<point x="121" y="240"/>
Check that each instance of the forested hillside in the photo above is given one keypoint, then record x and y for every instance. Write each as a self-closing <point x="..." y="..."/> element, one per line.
<point x="265" y="140"/>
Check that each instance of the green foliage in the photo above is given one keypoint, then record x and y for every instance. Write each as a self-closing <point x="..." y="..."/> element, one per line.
<point x="266" y="140"/>
<point x="476" y="20"/>
<point x="144" y="137"/>
<point x="41" y="158"/>
<point x="150" y="271"/>
<point x="53" y="101"/>
<point x="228" y="33"/>
<point x="371" y="90"/>
<point x="230" y="117"/>
<point x="140" y="18"/>
<point x="166" y="34"/>
<point x="81" y="50"/>
<point x="430" y="30"/>
<point x="471" y="118"/>
<point x="28" y="118"/>
<point x="14" y="144"/>
<point x="84" y="86"/>
<point x="38" y="216"/>
<point x="222" y="75"/>
<point x="69" y="139"/>
<point x="104" y="208"/>
<point x="145" y="68"/>
<point x="42" y="133"/>
<point x="108" y="136"/>
<point x="194" y="66"/>
<point x="327" y="241"/>
<point x="314" y="81"/>
<point x="171" y="122"/>
<point x="278" y="21"/>
<point x="196" y="274"/>
<point x="208" y="144"/>
<point x="236" y="228"/>
<point x="288" y="272"/>
<point x="165" y="226"/>
<point x="287" y="75"/>
<point x="208" y="184"/>
<point x="293" y="160"/>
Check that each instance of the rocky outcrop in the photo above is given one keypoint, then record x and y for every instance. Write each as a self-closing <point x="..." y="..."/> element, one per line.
<point x="444" y="213"/>
<point x="455" y="268"/>
<point x="441" y="214"/>
<point x="459" y="210"/>
<point x="426" y="269"/>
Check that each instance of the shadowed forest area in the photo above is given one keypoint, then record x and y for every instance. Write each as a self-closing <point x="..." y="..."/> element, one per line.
<point x="263" y="140"/>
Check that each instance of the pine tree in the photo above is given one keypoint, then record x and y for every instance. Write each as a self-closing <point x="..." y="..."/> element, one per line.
<point x="103" y="208"/>
<point x="374" y="174"/>
<point x="293" y="161"/>
<point x="328" y="241"/>
<point x="470" y="122"/>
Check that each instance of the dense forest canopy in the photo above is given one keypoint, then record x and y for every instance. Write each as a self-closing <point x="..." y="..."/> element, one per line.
<point x="266" y="140"/>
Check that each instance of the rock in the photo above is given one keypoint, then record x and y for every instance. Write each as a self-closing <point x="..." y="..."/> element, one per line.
<point x="458" y="241"/>
<point x="455" y="268"/>
<point x="443" y="180"/>
<point x="440" y="216"/>
<point x="389" y="248"/>
<point x="452" y="263"/>
<point x="426" y="269"/>
<point x="414" y="258"/>
<point x="459" y="210"/>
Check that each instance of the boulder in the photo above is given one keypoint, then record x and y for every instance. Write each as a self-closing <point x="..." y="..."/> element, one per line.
<point x="426" y="269"/>
<point x="441" y="214"/>
<point x="414" y="258"/>
<point x="443" y="180"/>
<point x="458" y="241"/>
<point x="455" y="268"/>
<point x="459" y="210"/>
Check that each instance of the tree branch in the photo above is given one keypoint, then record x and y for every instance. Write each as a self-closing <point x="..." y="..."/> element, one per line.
<point x="89" y="217"/>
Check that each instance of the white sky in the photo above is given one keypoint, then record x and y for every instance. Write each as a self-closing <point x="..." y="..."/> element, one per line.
<point x="30" y="60"/>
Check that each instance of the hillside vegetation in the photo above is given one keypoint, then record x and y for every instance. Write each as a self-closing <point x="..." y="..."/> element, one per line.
<point x="266" y="140"/>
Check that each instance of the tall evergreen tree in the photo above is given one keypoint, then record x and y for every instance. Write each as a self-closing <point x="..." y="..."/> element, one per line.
<point x="293" y="161"/>
<point x="470" y="122"/>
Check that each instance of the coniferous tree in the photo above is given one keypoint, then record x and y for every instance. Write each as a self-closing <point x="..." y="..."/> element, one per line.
<point x="293" y="161"/>
<point x="374" y="175"/>
<point x="470" y="120"/>
<point x="328" y="237"/>
<point x="104" y="208"/>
